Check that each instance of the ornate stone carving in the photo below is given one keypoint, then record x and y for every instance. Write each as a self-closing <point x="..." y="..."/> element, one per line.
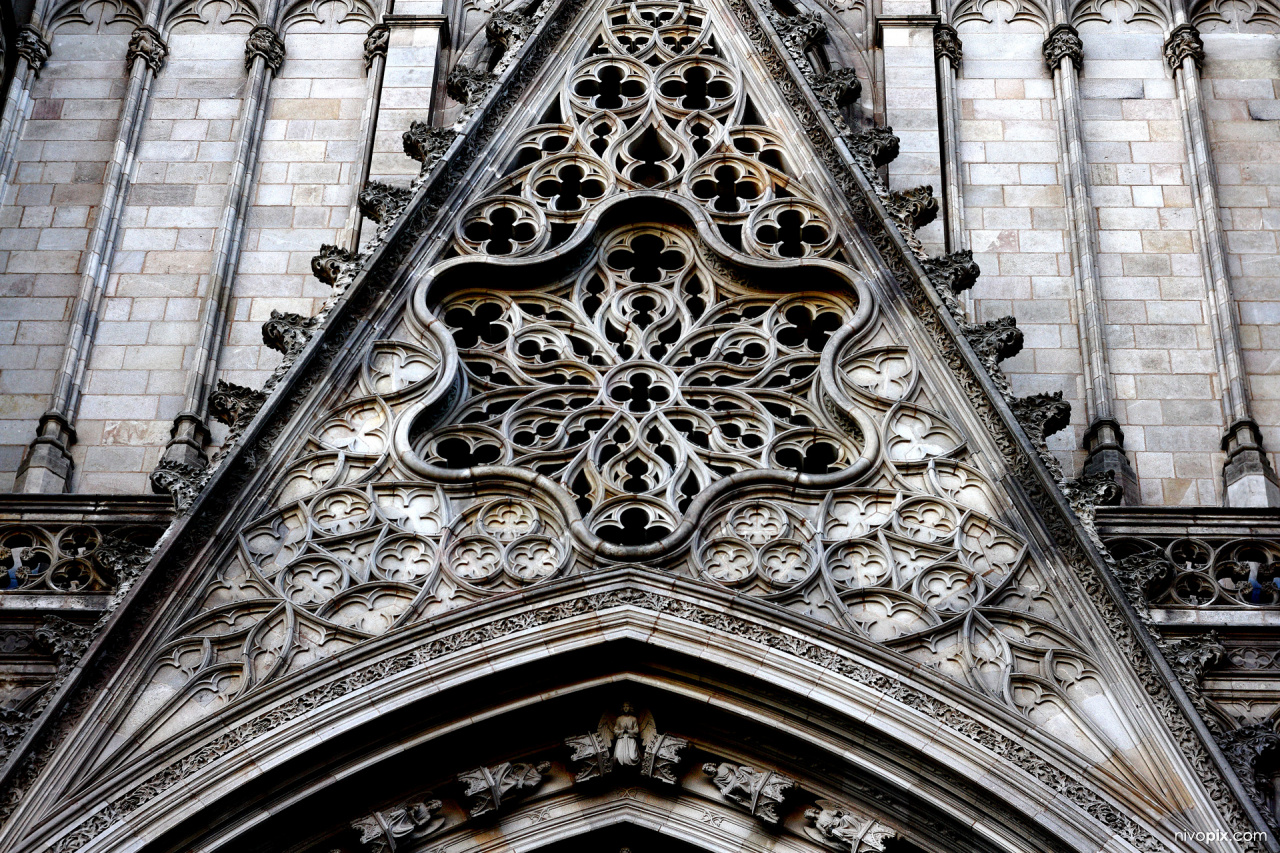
<point x="147" y="44"/>
<point x="760" y="792"/>
<point x="1041" y="415"/>
<point x="400" y="826"/>
<point x="956" y="271"/>
<point x="65" y="641"/>
<point x="946" y="42"/>
<point x="994" y="341"/>
<point x="839" y="827"/>
<point x="1190" y="658"/>
<point x="800" y="31"/>
<point x="376" y="43"/>
<point x="75" y="558"/>
<point x="180" y="480"/>
<point x="1063" y="42"/>
<point x="383" y="203"/>
<point x="913" y="208"/>
<point x="489" y="787"/>
<point x="1207" y="571"/>
<point x="468" y="85"/>
<point x="622" y="741"/>
<point x="32" y="47"/>
<point x="287" y="333"/>
<point x="1247" y="749"/>
<point x="507" y="29"/>
<point x="1089" y="491"/>
<point x="265" y="42"/>
<point x="1184" y="41"/>
<point x="837" y="89"/>
<point x="13" y="727"/>
<point x="427" y="144"/>
<point x="878" y="144"/>
<point x="235" y="406"/>
<point x="1140" y="575"/>
<point x="333" y="264"/>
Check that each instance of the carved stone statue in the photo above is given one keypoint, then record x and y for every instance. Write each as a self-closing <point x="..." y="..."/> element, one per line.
<point x="626" y="737"/>
<point x="761" y="792"/>
<point x="628" y="740"/>
<point x="390" y="830"/>
<point x="837" y="826"/>
<point x="489" y="787"/>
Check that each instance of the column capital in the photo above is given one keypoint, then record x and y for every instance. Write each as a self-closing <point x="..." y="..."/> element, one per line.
<point x="32" y="47"/>
<point x="147" y="44"/>
<point x="1063" y="42"/>
<point x="264" y="41"/>
<point x="946" y="42"/>
<point x="1184" y="41"/>
<point x="376" y="43"/>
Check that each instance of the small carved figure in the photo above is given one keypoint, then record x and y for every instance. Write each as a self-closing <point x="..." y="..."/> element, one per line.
<point x="626" y="737"/>
<point x="490" y="787"/>
<point x="760" y="791"/>
<point x="386" y="831"/>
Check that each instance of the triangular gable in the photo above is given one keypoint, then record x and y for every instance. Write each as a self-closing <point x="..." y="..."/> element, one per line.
<point x="653" y="336"/>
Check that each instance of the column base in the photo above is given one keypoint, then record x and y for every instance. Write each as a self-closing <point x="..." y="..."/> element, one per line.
<point x="1105" y="442"/>
<point x="47" y="467"/>
<point x="1248" y="479"/>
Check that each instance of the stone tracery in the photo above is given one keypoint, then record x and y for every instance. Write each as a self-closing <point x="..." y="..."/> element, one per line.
<point x="651" y="401"/>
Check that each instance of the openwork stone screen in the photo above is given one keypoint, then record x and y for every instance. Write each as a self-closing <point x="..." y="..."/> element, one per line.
<point x="648" y="345"/>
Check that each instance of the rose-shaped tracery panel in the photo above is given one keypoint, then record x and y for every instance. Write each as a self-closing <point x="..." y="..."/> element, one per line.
<point x="642" y="382"/>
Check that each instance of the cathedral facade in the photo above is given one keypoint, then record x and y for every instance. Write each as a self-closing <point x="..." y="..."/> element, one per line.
<point x="718" y="425"/>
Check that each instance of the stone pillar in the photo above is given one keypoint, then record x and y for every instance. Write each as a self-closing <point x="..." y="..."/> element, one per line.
<point x="263" y="55"/>
<point x="947" y="53"/>
<point x="911" y="106"/>
<point x="1104" y="440"/>
<point x="47" y="465"/>
<point x="33" y="52"/>
<point x="375" y="62"/>
<point x="1247" y="476"/>
<point x="417" y="37"/>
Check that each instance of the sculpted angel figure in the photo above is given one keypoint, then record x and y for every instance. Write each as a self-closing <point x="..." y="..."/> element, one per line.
<point x="626" y="737"/>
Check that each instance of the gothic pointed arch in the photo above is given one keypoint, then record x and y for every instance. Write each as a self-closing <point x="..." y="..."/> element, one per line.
<point x="641" y="380"/>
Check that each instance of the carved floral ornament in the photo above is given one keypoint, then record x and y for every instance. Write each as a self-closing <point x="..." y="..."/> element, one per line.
<point x="627" y="755"/>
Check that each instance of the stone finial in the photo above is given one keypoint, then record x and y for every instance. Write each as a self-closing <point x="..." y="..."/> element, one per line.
<point x="332" y="263"/>
<point x="1041" y="415"/>
<point x="957" y="271"/>
<point x="914" y="208"/>
<point x="265" y="42"/>
<point x="505" y="29"/>
<point x="1184" y="41"/>
<point x="287" y="333"/>
<point x="181" y="481"/>
<point x="382" y="202"/>
<point x="799" y="31"/>
<point x="147" y="44"/>
<point x="376" y="44"/>
<point x="946" y="42"/>
<point x="837" y="89"/>
<point x="235" y="405"/>
<point x="32" y="47"/>
<point x="468" y="85"/>
<point x="1063" y="42"/>
<point x="427" y="144"/>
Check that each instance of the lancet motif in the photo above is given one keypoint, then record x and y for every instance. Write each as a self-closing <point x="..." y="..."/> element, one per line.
<point x="710" y="395"/>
